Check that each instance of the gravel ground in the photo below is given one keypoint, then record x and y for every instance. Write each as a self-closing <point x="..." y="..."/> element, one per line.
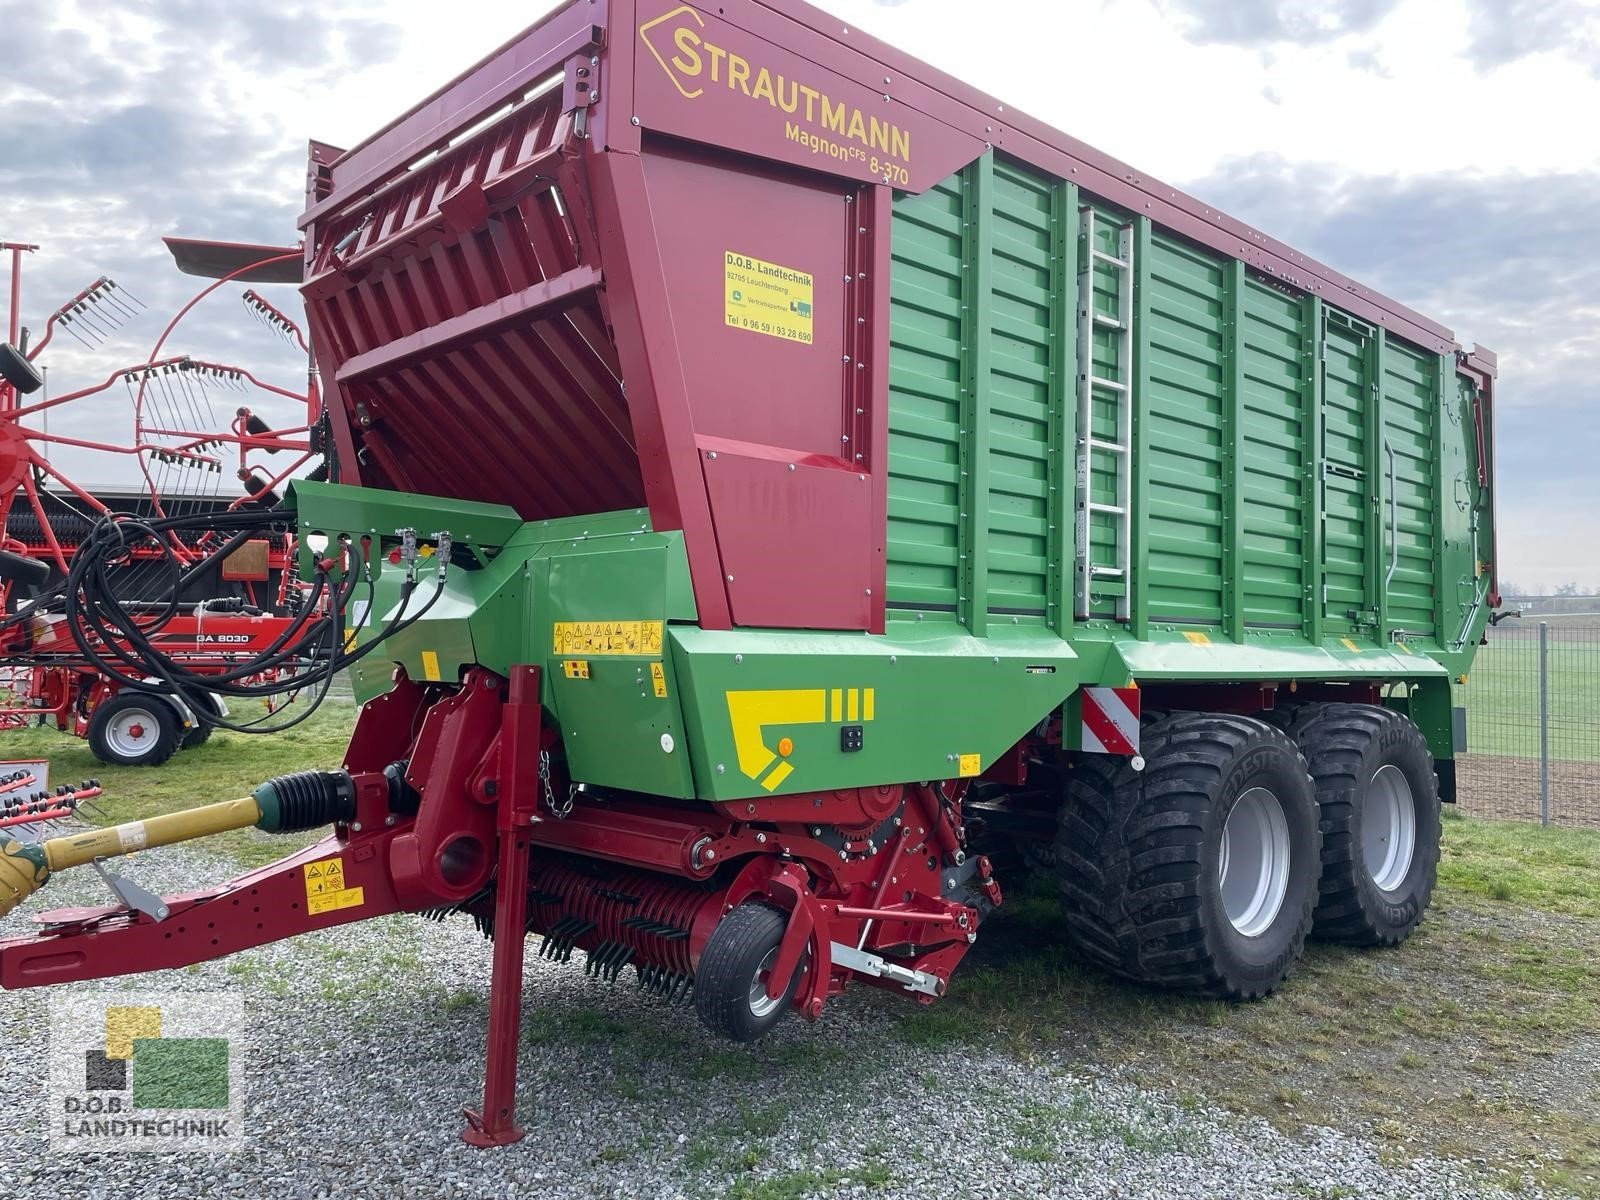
<point x="366" y="1042"/>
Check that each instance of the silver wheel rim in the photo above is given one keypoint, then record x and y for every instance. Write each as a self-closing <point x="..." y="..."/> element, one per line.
<point x="1254" y="870"/>
<point x="132" y="731"/>
<point x="1388" y="828"/>
<point x="761" y="1004"/>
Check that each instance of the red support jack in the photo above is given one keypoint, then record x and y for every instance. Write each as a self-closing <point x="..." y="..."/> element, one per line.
<point x="518" y="800"/>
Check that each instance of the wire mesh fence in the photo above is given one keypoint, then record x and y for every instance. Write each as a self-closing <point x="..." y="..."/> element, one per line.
<point x="1533" y="717"/>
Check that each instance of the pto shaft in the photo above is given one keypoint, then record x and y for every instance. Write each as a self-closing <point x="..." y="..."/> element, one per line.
<point x="282" y="805"/>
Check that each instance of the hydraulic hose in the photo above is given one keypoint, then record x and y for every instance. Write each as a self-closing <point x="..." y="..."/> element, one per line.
<point x="117" y="639"/>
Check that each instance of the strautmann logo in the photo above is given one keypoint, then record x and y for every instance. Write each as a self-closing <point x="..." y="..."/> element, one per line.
<point x="678" y="41"/>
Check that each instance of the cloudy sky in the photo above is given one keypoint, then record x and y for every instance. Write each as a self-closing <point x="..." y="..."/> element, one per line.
<point x="1446" y="152"/>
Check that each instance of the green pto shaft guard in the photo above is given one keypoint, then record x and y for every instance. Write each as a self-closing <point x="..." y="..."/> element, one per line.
<point x="24" y="868"/>
<point x="304" y="800"/>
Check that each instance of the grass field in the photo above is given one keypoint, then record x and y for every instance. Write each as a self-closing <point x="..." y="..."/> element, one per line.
<point x="1502" y="695"/>
<point x="227" y="766"/>
<point x="1479" y="1039"/>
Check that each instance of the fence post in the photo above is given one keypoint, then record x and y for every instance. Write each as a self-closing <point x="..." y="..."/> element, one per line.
<point x="1544" y="722"/>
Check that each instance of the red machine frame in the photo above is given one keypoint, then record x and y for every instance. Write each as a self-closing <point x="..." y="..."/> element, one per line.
<point x="65" y="689"/>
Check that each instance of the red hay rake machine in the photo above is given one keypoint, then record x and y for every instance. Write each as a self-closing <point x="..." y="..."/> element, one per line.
<point x="190" y="437"/>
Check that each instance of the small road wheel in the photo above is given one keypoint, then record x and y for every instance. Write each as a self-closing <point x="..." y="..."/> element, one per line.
<point x="730" y="986"/>
<point x="133" y="729"/>
<point x="1200" y="872"/>
<point x="1380" y="818"/>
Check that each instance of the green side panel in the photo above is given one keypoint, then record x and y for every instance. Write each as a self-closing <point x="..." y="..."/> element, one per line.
<point x="1023" y="351"/>
<point x="745" y="691"/>
<point x="1410" y="413"/>
<point x="1184" y="446"/>
<point x="1274" y="455"/>
<point x="616" y="730"/>
<point x="1346" y="503"/>
<point x="925" y="378"/>
<point x="980" y="363"/>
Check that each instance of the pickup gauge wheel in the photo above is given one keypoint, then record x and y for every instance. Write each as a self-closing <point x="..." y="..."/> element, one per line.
<point x="730" y="986"/>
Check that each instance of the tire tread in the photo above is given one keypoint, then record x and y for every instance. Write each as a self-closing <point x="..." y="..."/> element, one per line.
<point x="1335" y="740"/>
<point x="1129" y="851"/>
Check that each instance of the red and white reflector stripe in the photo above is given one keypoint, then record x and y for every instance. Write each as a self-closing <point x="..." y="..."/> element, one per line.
<point x="1111" y="720"/>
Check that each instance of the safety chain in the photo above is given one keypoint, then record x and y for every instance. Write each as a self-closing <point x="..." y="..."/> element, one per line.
<point x="559" y="811"/>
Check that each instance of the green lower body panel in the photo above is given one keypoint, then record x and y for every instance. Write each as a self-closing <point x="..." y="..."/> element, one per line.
<point x="1175" y="658"/>
<point x="777" y="712"/>
<point x="647" y="701"/>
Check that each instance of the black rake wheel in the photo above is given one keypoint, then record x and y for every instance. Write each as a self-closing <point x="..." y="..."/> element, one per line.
<point x="730" y="985"/>
<point x="1200" y="872"/>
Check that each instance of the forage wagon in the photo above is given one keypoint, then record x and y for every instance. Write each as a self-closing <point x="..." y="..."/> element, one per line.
<point x="774" y="481"/>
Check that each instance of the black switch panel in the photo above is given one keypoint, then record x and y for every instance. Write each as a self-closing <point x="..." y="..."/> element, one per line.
<point x="850" y="738"/>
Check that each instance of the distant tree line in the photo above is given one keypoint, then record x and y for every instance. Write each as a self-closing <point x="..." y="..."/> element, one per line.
<point x="1565" y="597"/>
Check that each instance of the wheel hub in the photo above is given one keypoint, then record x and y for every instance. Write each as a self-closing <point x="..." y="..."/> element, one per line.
<point x="1388" y="828"/>
<point x="762" y="1004"/>
<point x="1254" y="865"/>
<point x="14" y="457"/>
<point x="131" y="733"/>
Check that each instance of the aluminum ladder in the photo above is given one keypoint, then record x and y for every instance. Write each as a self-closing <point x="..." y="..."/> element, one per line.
<point x="1119" y="389"/>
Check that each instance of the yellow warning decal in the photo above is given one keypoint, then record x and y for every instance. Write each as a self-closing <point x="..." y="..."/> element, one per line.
<point x="575" y="668"/>
<point x="969" y="764"/>
<point x="430" y="666"/>
<point x="325" y="889"/>
<point x="1196" y="639"/>
<point x="1350" y="646"/>
<point x="607" y="637"/>
<point x="766" y="298"/>
<point x="658" y="680"/>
